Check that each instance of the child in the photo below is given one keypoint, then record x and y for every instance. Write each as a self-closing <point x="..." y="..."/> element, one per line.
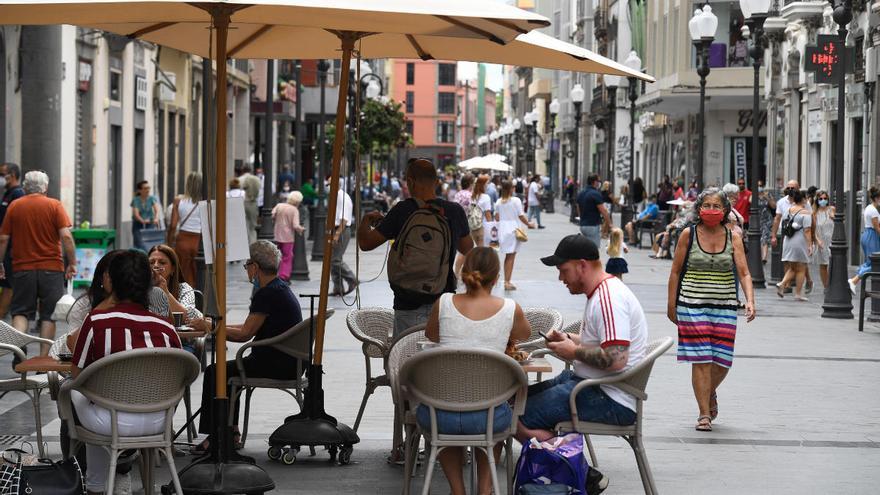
<point x="616" y="265"/>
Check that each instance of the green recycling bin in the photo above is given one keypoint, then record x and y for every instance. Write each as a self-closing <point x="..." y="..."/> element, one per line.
<point x="91" y="246"/>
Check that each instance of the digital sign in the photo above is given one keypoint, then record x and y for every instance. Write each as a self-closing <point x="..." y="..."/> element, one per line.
<point x="825" y="59"/>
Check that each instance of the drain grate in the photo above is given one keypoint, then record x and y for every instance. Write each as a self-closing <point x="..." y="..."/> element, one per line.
<point x="14" y="440"/>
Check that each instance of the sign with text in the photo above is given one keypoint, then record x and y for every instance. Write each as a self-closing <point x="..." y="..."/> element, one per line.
<point x="825" y="59"/>
<point x="740" y="157"/>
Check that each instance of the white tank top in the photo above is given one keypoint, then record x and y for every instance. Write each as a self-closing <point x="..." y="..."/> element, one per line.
<point x="458" y="330"/>
<point x="193" y="224"/>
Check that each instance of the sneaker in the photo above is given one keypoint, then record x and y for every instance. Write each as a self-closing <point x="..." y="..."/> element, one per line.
<point x="596" y="481"/>
<point x="852" y="286"/>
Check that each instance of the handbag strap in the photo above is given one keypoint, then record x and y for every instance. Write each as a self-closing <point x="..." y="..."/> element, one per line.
<point x="195" y="207"/>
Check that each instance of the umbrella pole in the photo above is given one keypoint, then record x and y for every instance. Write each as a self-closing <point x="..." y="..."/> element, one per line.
<point x="222" y="471"/>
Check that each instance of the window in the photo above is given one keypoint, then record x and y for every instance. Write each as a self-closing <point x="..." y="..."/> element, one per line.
<point x="445" y="131"/>
<point x="409" y="129"/>
<point x="410" y="101"/>
<point x="140" y="92"/>
<point x="410" y="73"/>
<point x="445" y="102"/>
<point x="115" y="85"/>
<point x="447" y="75"/>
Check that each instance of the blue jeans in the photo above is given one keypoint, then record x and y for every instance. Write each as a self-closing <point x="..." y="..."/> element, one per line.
<point x="870" y="244"/>
<point x="547" y="404"/>
<point x="592" y="233"/>
<point x="535" y="212"/>
<point x="465" y="423"/>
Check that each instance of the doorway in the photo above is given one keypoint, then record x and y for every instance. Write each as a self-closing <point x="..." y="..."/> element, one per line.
<point x="114" y="179"/>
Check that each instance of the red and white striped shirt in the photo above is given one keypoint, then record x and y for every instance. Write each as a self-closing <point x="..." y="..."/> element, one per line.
<point x="121" y="328"/>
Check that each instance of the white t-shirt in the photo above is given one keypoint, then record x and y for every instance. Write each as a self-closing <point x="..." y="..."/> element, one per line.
<point x="869" y="215"/>
<point x="344" y="208"/>
<point x="785" y="204"/>
<point x="485" y="203"/>
<point x="613" y="316"/>
<point x="533" y="194"/>
<point x="510" y="210"/>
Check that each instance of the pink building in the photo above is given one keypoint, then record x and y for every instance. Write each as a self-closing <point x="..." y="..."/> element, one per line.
<point x="468" y="117"/>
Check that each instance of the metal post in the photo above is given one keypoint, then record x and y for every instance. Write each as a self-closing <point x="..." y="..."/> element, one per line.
<point x="320" y="215"/>
<point x="626" y="214"/>
<point x="577" y="138"/>
<point x="756" y="266"/>
<point x="297" y="151"/>
<point x="702" y="71"/>
<point x="838" y="298"/>
<point x="266" y="224"/>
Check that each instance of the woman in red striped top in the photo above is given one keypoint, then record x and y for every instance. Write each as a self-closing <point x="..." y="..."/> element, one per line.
<point x="120" y="323"/>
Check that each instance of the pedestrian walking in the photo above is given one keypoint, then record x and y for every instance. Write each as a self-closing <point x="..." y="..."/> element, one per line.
<point x="616" y="264"/>
<point x="340" y="273"/>
<point x="41" y="229"/>
<point x="144" y="213"/>
<point x="783" y="205"/>
<point x="870" y="236"/>
<point x="535" y="189"/>
<point x="235" y="190"/>
<point x="481" y="208"/>
<point x="287" y="225"/>
<point x="823" y="227"/>
<point x="508" y="215"/>
<point x="797" y="225"/>
<point x="640" y="194"/>
<point x="743" y="203"/>
<point x="702" y="299"/>
<point x="767" y="207"/>
<point x="185" y="228"/>
<point x="692" y="192"/>
<point x="608" y="202"/>
<point x="250" y="183"/>
<point x="10" y="176"/>
<point x="592" y="210"/>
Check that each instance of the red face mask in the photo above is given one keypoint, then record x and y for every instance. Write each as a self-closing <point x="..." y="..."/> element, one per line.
<point x="711" y="218"/>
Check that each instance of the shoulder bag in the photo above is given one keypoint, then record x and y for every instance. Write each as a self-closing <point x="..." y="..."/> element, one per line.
<point x="22" y="473"/>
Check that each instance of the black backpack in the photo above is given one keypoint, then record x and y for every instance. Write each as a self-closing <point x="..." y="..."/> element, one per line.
<point x="788" y="224"/>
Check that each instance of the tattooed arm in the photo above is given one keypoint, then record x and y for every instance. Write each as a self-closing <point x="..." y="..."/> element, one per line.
<point x="611" y="358"/>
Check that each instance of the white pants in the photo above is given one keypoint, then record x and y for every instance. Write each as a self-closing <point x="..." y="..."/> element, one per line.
<point x="97" y="419"/>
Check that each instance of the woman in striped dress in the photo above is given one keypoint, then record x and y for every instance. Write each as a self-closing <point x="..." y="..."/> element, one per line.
<point x="703" y="300"/>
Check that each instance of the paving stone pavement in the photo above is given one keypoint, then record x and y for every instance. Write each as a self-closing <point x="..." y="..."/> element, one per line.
<point x="798" y="412"/>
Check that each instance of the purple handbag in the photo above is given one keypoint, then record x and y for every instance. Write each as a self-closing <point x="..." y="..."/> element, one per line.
<point x="557" y="464"/>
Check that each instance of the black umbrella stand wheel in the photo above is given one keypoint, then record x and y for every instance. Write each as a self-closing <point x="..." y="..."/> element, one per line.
<point x="312" y="427"/>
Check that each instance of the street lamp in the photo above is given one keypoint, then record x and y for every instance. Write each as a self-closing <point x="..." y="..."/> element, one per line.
<point x="320" y="207"/>
<point x="838" y="299"/>
<point x="755" y="12"/>
<point x="702" y="28"/>
<point x="577" y="97"/>
<point x="529" y="120"/>
<point x="554" y="111"/>
<point x="635" y="63"/>
<point x="517" y="125"/>
<point x="494" y="137"/>
<point x="612" y="82"/>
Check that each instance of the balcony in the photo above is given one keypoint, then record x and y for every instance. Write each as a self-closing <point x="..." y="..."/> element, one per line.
<point x="599" y="104"/>
<point x="803" y="10"/>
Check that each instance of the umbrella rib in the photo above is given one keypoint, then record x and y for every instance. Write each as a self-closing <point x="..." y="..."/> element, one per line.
<point x="150" y="29"/>
<point x="250" y="39"/>
<point x="486" y="34"/>
<point x="415" y="44"/>
<point x="508" y="25"/>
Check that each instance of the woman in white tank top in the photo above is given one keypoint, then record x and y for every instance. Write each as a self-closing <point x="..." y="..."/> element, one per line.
<point x="478" y="319"/>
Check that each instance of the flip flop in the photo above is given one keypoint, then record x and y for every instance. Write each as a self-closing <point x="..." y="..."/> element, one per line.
<point x="713" y="410"/>
<point x="704" y="423"/>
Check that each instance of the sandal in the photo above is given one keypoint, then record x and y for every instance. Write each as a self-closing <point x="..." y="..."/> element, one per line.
<point x="509" y="287"/>
<point x="704" y="423"/>
<point x="780" y="292"/>
<point x="713" y="409"/>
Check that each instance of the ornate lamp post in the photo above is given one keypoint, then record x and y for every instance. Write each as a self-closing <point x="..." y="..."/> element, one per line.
<point x="529" y="120"/>
<point x="517" y="125"/>
<point x="321" y="208"/>
<point x="702" y="27"/>
<point x="635" y="63"/>
<point x="838" y="299"/>
<point x="612" y="82"/>
<point x="554" y="111"/>
<point x="755" y="12"/>
<point x="577" y="97"/>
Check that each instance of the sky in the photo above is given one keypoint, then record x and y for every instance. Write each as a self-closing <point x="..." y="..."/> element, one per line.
<point x="494" y="77"/>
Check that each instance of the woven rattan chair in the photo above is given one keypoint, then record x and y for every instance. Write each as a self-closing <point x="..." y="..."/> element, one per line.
<point x="403" y="348"/>
<point x="296" y="342"/>
<point x="632" y="381"/>
<point x="198" y="344"/>
<point x="464" y="380"/>
<point x="31" y="384"/>
<point x="372" y="326"/>
<point x="136" y="381"/>
<point x="541" y="320"/>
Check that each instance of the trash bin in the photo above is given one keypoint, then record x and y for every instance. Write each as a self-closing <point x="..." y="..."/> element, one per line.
<point x="91" y="246"/>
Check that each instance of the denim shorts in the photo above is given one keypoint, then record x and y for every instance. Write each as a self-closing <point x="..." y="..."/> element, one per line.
<point x="464" y="423"/>
<point x="547" y="404"/>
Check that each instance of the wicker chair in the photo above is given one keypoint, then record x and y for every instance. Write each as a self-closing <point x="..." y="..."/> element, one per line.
<point x="372" y="326"/>
<point x="463" y="380"/>
<point x="541" y="320"/>
<point x="12" y="341"/>
<point x="295" y="342"/>
<point x="403" y="348"/>
<point x="161" y="376"/>
<point x="633" y="381"/>
<point x="199" y="346"/>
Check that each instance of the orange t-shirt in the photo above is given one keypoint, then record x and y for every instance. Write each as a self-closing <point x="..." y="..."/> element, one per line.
<point x="34" y="221"/>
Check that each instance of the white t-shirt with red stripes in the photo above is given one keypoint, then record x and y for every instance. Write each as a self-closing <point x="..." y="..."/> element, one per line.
<point x="613" y="316"/>
<point x="121" y="328"/>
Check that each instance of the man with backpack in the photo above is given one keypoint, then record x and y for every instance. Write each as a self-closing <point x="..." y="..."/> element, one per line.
<point x="427" y="232"/>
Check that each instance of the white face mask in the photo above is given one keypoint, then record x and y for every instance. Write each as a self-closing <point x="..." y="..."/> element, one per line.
<point x="2" y="182"/>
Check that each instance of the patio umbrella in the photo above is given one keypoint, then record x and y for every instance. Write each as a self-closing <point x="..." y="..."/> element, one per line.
<point x="496" y="156"/>
<point x="484" y="163"/>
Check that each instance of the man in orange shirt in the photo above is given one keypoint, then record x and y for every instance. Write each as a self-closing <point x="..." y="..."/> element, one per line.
<point x="40" y="227"/>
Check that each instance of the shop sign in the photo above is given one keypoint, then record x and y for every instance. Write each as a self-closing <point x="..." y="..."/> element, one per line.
<point x="814" y="127"/>
<point x="740" y="158"/>
<point x="84" y="74"/>
<point x="824" y="58"/>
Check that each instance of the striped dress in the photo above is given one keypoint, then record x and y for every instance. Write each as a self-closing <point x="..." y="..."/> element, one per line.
<point x="706" y="305"/>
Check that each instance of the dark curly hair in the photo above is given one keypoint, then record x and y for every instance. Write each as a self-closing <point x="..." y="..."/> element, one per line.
<point x="131" y="277"/>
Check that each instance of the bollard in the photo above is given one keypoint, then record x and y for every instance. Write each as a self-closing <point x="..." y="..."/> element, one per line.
<point x="300" y="263"/>
<point x="311" y="227"/>
<point x="266" y="229"/>
<point x="777" y="269"/>
<point x="875" y="287"/>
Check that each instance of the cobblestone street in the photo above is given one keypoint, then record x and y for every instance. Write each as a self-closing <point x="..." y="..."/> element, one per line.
<point x="798" y="413"/>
